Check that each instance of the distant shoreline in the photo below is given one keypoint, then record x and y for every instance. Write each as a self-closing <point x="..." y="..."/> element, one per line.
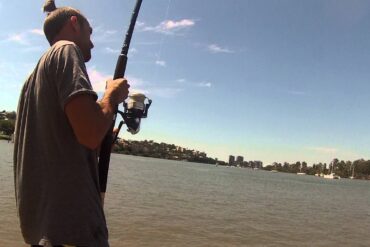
<point x="207" y="160"/>
<point x="5" y="137"/>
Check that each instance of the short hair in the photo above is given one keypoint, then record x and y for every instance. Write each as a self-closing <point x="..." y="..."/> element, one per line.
<point x="57" y="18"/>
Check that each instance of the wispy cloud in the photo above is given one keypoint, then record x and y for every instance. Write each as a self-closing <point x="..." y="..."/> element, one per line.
<point x="214" y="48"/>
<point x="295" y="92"/>
<point x="37" y="31"/>
<point x="18" y="38"/>
<point x="161" y="63"/>
<point x="132" y="51"/>
<point x="24" y="38"/>
<point x="110" y="32"/>
<point x="98" y="80"/>
<point x="140" y="24"/>
<point x="148" y="43"/>
<point x="169" y="26"/>
<point x="204" y="84"/>
<point x="324" y="150"/>
<point x="102" y="35"/>
<point x="111" y="50"/>
<point x="165" y="92"/>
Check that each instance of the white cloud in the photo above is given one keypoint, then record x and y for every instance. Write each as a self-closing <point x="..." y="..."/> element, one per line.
<point x="98" y="80"/>
<point x="18" y="38"/>
<point x="139" y="24"/>
<point x="24" y="38"/>
<point x="37" y="31"/>
<point x="324" y="150"/>
<point x="132" y="52"/>
<point x="204" y="84"/>
<point x="147" y="43"/>
<point x="165" y="92"/>
<point x="161" y="63"/>
<point x="101" y="35"/>
<point x="214" y="48"/>
<point x="169" y="26"/>
<point x="110" y="50"/>
<point x="111" y="32"/>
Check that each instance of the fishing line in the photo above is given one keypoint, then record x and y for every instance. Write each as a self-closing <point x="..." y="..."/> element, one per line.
<point x="161" y="42"/>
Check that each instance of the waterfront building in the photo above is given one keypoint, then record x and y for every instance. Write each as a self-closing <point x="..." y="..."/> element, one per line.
<point x="231" y="160"/>
<point x="239" y="160"/>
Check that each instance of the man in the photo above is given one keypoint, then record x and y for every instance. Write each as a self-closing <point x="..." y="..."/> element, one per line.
<point x="58" y="129"/>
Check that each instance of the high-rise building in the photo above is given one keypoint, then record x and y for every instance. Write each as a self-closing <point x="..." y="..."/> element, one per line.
<point x="239" y="160"/>
<point x="231" y="160"/>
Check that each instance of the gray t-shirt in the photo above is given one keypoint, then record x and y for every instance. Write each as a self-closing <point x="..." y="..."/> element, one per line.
<point x="56" y="178"/>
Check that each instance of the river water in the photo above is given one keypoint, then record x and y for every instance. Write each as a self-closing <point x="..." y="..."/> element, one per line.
<point x="154" y="202"/>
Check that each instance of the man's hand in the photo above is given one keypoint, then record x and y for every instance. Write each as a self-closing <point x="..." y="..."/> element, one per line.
<point x="116" y="91"/>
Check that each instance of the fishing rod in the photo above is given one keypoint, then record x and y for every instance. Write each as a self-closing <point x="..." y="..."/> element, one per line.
<point x="135" y="109"/>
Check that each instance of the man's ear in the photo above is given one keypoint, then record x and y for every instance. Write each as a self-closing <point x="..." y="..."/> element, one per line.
<point x="75" y="24"/>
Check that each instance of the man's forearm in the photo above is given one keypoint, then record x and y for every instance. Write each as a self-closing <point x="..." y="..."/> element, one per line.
<point x="105" y="113"/>
<point x="89" y="119"/>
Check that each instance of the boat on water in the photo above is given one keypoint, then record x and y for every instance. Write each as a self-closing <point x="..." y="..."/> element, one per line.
<point x="300" y="171"/>
<point x="353" y="172"/>
<point x="331" y="176"/>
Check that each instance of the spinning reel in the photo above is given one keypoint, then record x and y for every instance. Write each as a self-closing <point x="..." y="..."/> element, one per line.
<point x="134" y="110"/>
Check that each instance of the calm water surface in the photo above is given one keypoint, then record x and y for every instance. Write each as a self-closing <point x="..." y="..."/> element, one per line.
<point x="153" y="202"/>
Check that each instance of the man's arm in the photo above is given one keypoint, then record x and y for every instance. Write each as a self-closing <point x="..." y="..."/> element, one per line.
<point x="90" y="120"/>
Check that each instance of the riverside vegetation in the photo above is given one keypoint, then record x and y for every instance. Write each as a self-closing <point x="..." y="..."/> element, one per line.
<point x="359" y="168"/>
<point x="7" y="123"/>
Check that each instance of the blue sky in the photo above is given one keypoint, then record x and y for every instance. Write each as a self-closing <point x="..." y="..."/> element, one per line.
<point x="276" y="80"/>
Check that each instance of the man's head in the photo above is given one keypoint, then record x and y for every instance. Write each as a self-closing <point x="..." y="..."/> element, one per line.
<point x="67" y="23"/>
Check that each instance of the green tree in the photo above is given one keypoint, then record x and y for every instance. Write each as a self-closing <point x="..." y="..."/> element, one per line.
<point x="7" y="126"/>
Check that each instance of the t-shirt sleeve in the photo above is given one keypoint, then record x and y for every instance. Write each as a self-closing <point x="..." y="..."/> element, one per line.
<point x="70" y="74"/>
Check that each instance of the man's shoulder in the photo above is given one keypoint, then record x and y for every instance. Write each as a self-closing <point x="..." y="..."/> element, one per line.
<point x="63" y="43"/>
<point x="64" y="49"/>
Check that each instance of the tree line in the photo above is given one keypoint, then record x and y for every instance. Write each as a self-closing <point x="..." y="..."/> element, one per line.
<point x="161" y="150"/>
<point x="7" y="124"/>
<point x="359" y="168"/>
